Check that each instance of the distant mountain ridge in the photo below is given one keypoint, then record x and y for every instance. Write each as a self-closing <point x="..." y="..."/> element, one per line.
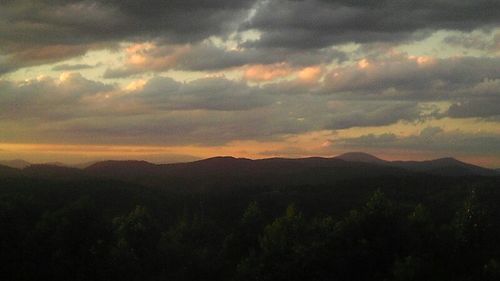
<point x="448" y="166"/>
<point x="225" y="170"/>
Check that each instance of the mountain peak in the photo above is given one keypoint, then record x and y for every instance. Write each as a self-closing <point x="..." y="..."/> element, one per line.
<point x="449" y="160"/>
<point x="360" y="157"/>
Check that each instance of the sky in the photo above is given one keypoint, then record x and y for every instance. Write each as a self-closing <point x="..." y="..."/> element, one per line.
<point x="169" y="81"/>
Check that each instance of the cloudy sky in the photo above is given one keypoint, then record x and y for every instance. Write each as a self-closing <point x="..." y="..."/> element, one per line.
<point x="182" y="79"/>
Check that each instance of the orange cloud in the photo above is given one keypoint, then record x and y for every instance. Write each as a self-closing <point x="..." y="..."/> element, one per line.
<point x="364" y="63"/>
<point x="263" y="73"/>
<point x="310" y="74"/>
<point x="136" y="85"/>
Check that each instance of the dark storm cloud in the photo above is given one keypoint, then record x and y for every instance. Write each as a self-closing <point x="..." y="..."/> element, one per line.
<point x="317" y="23"/>
<point x="73" y="22"/>
<point x="35" y="32"/>
<point x="35" y="24"/>
<point x="49" y="22"/>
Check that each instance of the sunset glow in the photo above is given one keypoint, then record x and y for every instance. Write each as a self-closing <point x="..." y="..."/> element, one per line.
<point x="88" y="80"/>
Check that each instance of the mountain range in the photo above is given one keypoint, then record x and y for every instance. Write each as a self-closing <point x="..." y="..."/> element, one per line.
<point x="225" y="172"/>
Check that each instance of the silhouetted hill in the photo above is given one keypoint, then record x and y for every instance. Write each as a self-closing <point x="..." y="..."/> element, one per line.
<point x="17" y="163"/>
<point x="226" y="172"/>
<point x="53" y="172"/>
<point x="361" y="157"/>
<point x="115" y="168"/>
<point x="140" y="172"/>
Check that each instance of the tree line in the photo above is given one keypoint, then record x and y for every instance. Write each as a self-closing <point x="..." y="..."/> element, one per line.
<point x="381" y="239"/>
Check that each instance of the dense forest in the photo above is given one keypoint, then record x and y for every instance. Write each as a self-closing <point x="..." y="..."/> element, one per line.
<point x="67" y="225"/>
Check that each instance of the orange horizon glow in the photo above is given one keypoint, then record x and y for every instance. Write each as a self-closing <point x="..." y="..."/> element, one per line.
<point x="75" y="154"/>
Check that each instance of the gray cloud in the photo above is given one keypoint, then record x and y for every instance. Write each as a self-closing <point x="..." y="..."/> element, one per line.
<point x="196" y="127"/>
<point x="218" y="110"/>
<point x="317" y="23"/>
<point x="164" y="111"/>
<point x="482" y="101"/>
<point x="470" y="84"/>
<point x="404" y="78"/>
<point x="210" y="94"/>
<point x="208" y="57"/>
<point x="486" y="41"/>
<point x="90" y="21"/>
<point x="121" y="72"/>
<point x="48" y="98"/>
<point x="19" y="57"/>
<point x="72" y="67"/>
<point x="363" y="114"/>
<point x="34" y="32"/>
<point x="37" y="27"/>
<point x="73" y="96"/>
<point x="482" y="107"/>
<point x="432" y="139"/>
